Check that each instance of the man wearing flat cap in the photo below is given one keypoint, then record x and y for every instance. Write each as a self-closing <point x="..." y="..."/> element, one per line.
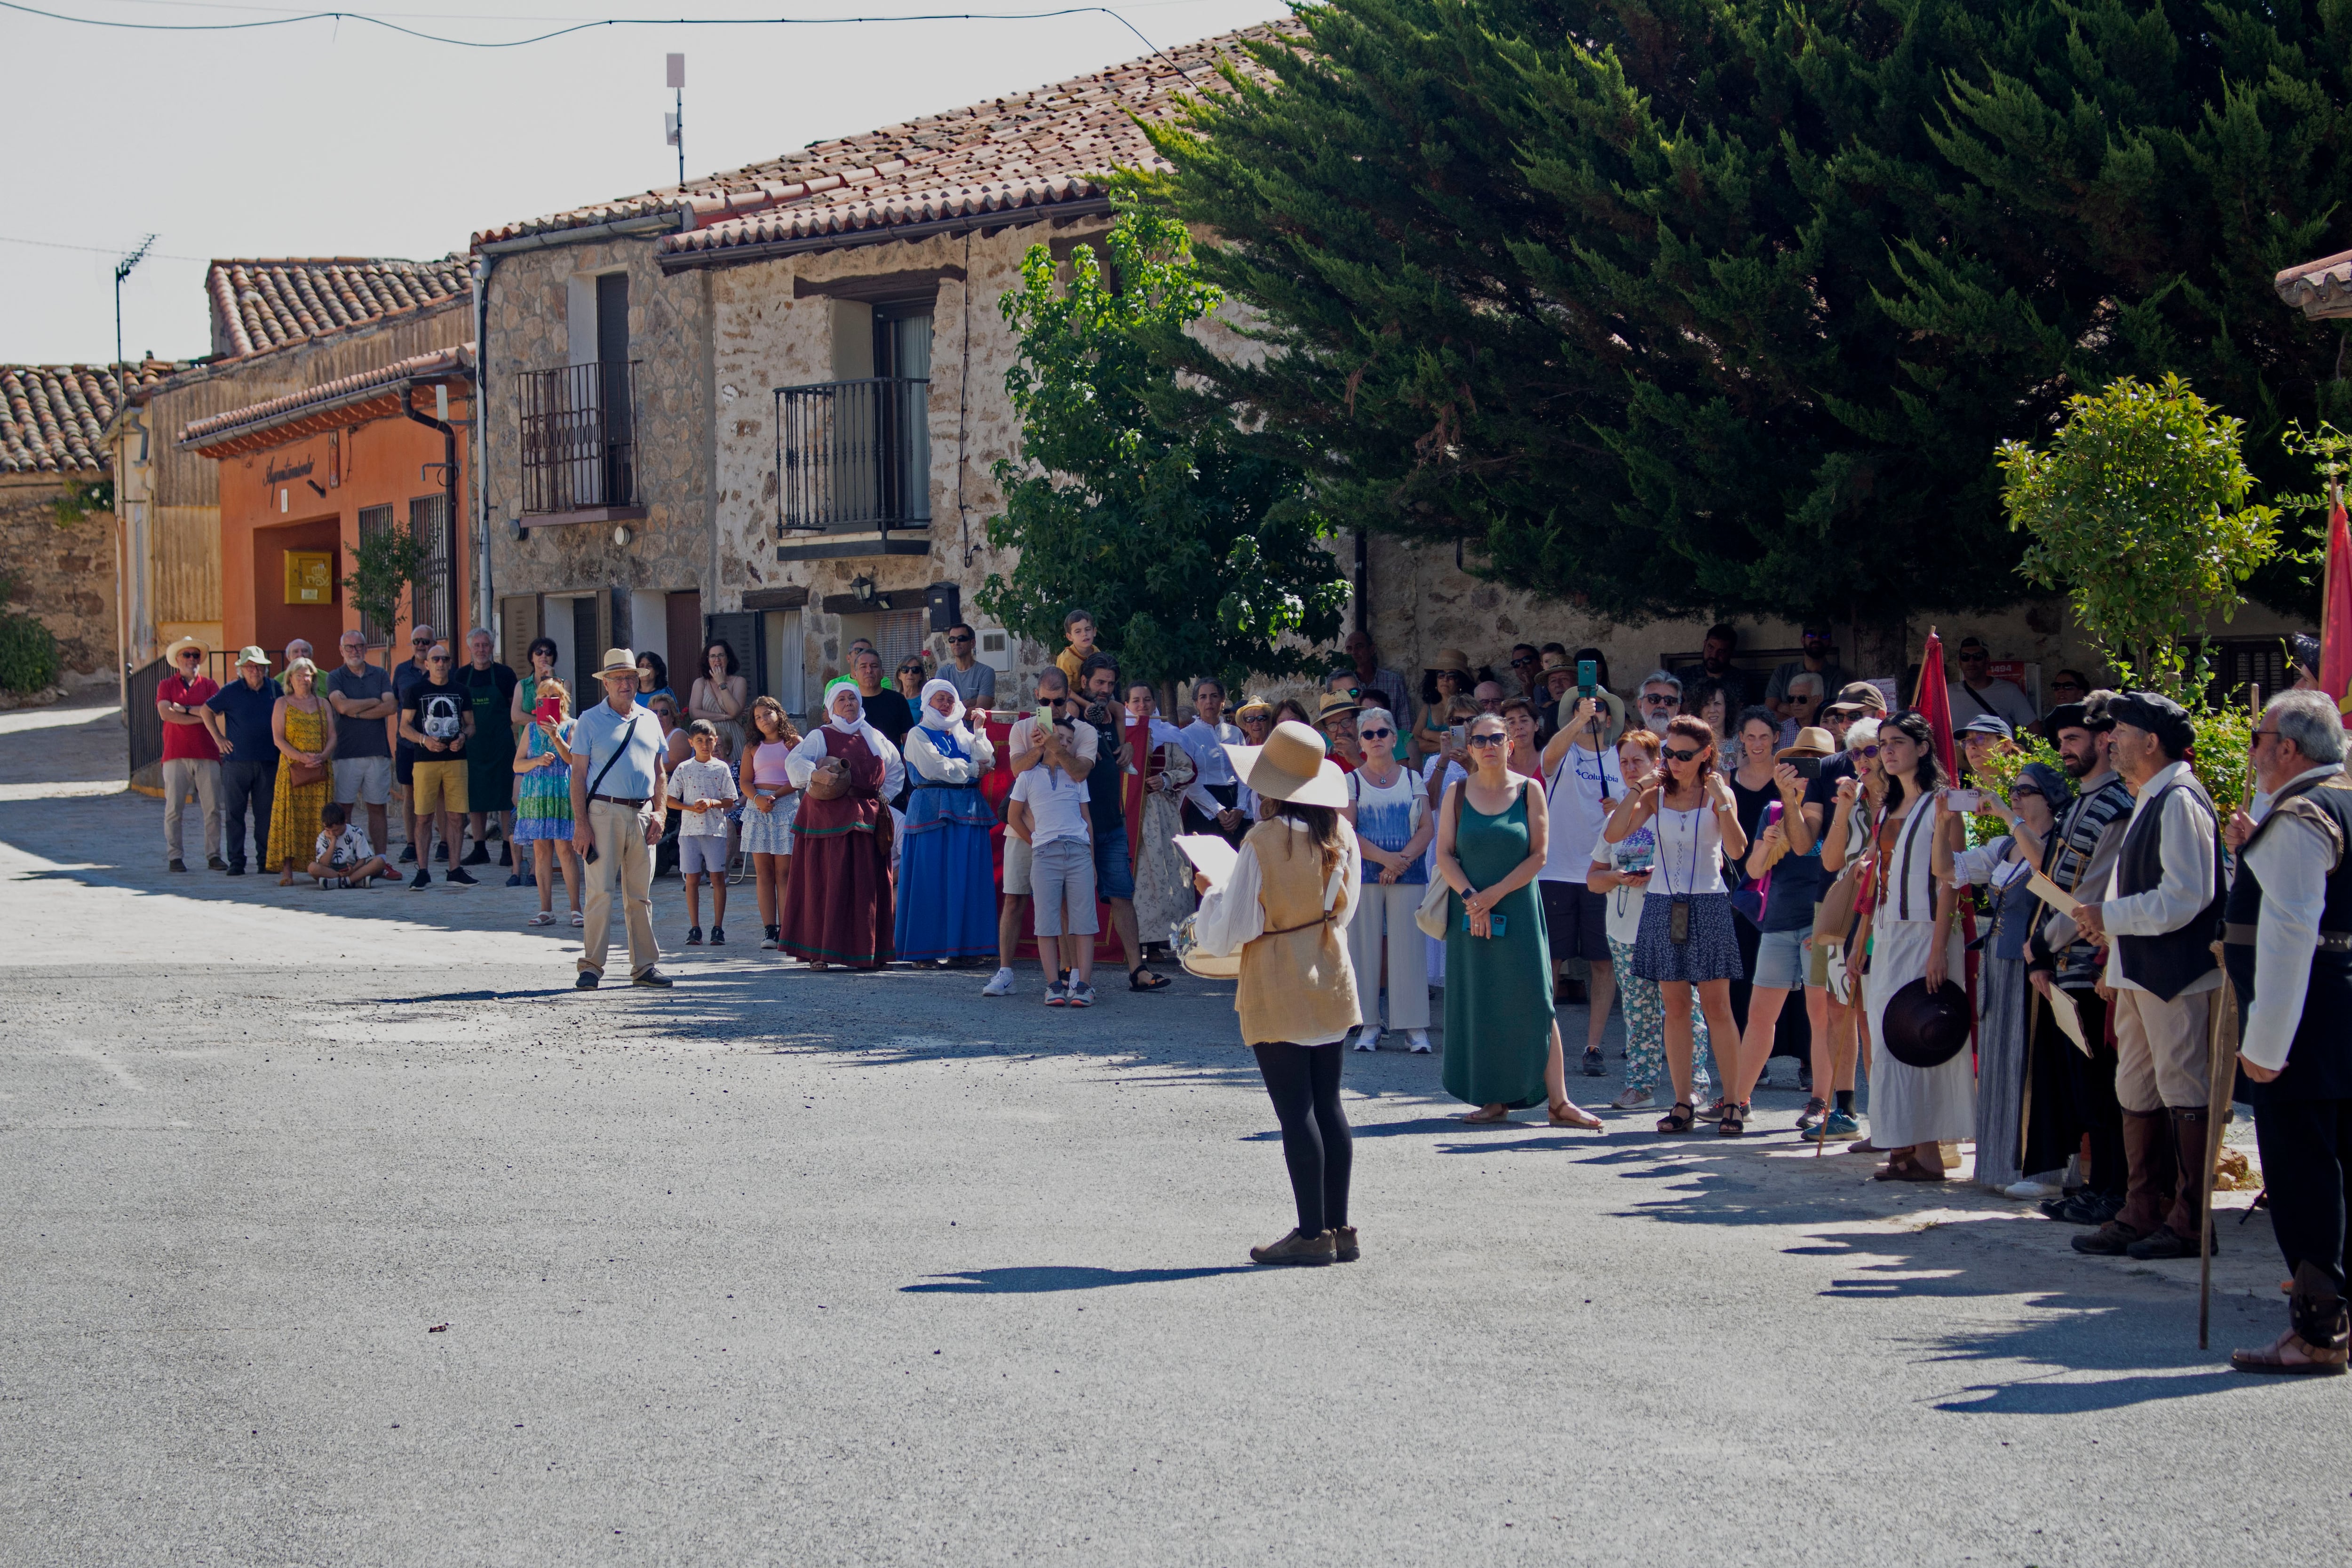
<point x="2288" y="948"/>
<point x="2159" y="919"/>
<point x="2080" y="857"/>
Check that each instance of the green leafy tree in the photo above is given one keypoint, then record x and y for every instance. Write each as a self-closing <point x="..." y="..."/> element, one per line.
<point x="1668" y="306"/>
<point x="383" y="563"/>
<point x="1196" y="548"/>
<point x="2137" y="509"/>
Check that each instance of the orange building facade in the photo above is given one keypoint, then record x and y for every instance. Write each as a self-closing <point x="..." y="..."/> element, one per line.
<point x="304" y="477"/>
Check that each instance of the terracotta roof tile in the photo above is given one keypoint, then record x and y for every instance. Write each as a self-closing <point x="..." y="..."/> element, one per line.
<point x="260" y="305"/>
<point x="254" y="418"/>
<point x="50" y="415"/>
<point x="2321" y="287"/>
<point x="1024" y="150"/>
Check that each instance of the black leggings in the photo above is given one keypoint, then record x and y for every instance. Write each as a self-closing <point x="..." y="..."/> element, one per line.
<point x="1304" y="1083"/>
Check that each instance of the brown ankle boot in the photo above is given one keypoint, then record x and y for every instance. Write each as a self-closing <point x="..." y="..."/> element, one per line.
<point x="2189" y="1125"/>
<point x="2153" y="1184"/>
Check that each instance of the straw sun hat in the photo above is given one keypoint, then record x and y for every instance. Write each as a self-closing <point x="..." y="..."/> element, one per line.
<point x="1291" y="766"/>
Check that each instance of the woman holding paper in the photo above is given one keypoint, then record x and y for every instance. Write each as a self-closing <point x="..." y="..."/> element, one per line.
<point x="2004" y="864"/>
<point x="1283" y="907"/>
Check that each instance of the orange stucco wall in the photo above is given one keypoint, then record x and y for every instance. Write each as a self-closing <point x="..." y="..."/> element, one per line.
<point x="308" y="495"/>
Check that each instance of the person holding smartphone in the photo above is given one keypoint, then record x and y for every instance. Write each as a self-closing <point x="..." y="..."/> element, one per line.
<point x="1686" y="943"/>
<point x="1619" y="876"/>
<point x="1502" y="1042"/>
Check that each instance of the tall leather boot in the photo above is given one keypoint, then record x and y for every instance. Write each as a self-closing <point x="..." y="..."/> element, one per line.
<point x="2147" y="1150"/>
<point x="2177" y="1237"/>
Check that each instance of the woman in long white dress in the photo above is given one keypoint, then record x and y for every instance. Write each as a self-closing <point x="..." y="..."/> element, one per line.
<point x="1163" y="877"/>
<point x="1915" y="933"/>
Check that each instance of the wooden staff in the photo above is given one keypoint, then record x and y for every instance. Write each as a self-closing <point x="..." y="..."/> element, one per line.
<point x="2221" y="1073"/>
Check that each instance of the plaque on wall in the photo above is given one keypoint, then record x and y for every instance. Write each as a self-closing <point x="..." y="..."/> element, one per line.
<point x="309" y="576"/>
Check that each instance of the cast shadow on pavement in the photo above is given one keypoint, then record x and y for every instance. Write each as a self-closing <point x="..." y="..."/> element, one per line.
<point x="1051" y="1277"/>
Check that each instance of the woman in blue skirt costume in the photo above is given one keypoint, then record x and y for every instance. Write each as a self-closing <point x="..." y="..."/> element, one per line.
<point x="946" y="878"/>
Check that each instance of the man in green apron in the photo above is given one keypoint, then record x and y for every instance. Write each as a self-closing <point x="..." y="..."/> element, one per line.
<point x="489" y="754"/>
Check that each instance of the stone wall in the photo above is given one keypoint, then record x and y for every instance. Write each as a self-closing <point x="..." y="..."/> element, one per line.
<point x="64" y="576"/>
<point x="672" y="548"/>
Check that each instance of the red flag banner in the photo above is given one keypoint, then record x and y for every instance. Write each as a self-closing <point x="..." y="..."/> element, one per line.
<point x="2336" y="623"/>
<point x="1934" y="700"/>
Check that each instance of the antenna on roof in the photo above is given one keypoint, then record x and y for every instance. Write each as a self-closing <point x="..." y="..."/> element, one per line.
<point x="675" y="121"/>
<point x="122" y="269"/>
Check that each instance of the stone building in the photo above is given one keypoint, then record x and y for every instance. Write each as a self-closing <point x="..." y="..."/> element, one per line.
<point x="57" y="529"/>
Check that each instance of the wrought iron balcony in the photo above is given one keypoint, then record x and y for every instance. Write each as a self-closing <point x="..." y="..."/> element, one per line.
<point x="853" y="456"/>
<point x="578" y="437"/>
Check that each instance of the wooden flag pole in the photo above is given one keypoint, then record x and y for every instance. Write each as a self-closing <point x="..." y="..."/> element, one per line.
<point x="2222" y="1075"/>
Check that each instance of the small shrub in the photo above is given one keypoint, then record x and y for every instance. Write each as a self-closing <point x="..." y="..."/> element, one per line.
<point x="29" y="654"/>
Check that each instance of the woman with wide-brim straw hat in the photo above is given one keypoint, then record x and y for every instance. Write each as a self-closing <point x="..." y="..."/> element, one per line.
<point x="1502" y="1042"/>
<point x="1284" y="908"/>
<point x="1449" y="675"/>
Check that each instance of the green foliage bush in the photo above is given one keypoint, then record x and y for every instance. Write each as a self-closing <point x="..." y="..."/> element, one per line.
<point x="29" y="654"/>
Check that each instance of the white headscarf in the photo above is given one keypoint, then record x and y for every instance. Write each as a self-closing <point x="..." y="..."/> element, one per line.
<point x="930" y="718"/>
<point x="855" y="721"/>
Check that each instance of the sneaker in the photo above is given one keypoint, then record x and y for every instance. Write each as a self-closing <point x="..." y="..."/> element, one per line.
<point x="1418" y="1039"/>
<point x="694" y="936"/>
<point x="232" y="871"/>
<point x="424" y="879"/>
<point x="999" y="984"/>
<point x="2029" y="1191"/>
<point x="506" y="854"/>
<point x="515" y="881"/>
<point x="176" y="864"/>
<point x="1368" y="1038"/>
<point x="767" y="938"/>
<point x="589" y="979"/>
<point x="479" y="855"/>
<point x="653" y="977"/>
<point x="214" y="863"/>
<point x="1633" y="1099"/>
<point x="458" y="874"/>
<point x="1347" y="1249"/>
<point x="1057" y="995"/>
<point x="408" y="854"/>
<point x="1815" y="1109"/>
<point x="719" y="936"/>
<point x="1297" y="1249"/>
<point x="1833" y="1126"/>
<point x="1593" y="1067"/>
<point x="1081" y="994"/>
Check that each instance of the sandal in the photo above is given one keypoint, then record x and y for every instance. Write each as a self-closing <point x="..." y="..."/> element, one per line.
<point x="1576" y="1117"/>
<point x="1734" y="1123"/>
<point x="1903" y="1168"/>
<point x="1481" y="1119"/>
<point x="540" y="919"/>
<point x="1142" y="979"/>
<point x="1678" y="1119"/>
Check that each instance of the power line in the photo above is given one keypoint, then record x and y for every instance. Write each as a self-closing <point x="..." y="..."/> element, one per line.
<point x="390" y="26"/>
<point x="116" y="251"/>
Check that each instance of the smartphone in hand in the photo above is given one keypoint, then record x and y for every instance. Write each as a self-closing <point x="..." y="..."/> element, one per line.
<point x="1964" y="800"/>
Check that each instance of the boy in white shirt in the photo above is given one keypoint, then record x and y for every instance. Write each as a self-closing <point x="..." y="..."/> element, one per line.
<point x="342" y="857"/>
<point x="703" y="789"/>
<point x="1048" y="810"/>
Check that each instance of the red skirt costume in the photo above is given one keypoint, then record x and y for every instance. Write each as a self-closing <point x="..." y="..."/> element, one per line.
<point x="838" y="907"/>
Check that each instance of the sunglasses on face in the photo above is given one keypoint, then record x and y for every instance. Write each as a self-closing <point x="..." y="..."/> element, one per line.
<point x="1868" y="752"/>
<point x="188" y="654"/>
<point x="438" y="659"/>
<point x="1521" y="663"/>
<point x="957" y="640"/>
<point x="1658" y="699"/>
<point x="1374" y="735"/>
<point x="1672" y="755"/>
<point x="1487" y="740"/>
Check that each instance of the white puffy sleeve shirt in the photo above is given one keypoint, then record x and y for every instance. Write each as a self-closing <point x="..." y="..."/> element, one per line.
<point x="2183" y="890"/>
<point x="1230" y="916"/>
<point x="2292" y="861"/>
<point x="932" y="765"/>
<point x="811" y="752"/>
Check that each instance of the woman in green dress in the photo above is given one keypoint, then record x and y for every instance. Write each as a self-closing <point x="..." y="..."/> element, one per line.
<point x="1502" y="1045"/>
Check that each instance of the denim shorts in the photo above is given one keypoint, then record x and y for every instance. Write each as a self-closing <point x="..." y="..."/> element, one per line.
<point x="1781" y="959"/>
<point x="1114" y="871"/>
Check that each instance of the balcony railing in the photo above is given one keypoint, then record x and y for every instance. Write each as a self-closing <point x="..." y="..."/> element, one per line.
<point x="853" y="456"/>
<point x="578" y="437"/>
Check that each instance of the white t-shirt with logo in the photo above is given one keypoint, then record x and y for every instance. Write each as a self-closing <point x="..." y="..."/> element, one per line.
<point x="1574" y="797"/>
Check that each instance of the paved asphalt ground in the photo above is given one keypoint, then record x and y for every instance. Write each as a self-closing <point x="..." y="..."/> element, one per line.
<point x="780" y="1268"/>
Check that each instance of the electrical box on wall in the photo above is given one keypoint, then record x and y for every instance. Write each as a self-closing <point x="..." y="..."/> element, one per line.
<point x="996" y="648"/>
<point x="945" y="601"/>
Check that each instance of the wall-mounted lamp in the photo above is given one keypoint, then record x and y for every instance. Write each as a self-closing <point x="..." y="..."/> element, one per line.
<point x="862" y="587"/>
<point x="621" y="534"/>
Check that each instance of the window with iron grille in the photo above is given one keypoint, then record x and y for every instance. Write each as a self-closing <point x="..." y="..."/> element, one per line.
<point x="854" y="456"/>
<point x="579" y="436"/>
<point x="433" y="596"/>
<point x="374" y="519"/>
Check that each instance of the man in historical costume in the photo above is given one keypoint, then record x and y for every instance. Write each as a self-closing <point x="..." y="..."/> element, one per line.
<point x="2160" y="917"/>
<point x="2289" y="953"/>
<point x="2079" y="857"/>
<point x="838" y="908"/>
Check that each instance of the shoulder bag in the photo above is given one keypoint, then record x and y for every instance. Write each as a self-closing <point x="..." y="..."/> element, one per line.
<point x="302" y="775"/>
<point x="1431" y="916"/>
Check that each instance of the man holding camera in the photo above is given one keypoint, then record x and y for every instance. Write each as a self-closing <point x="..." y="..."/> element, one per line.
<point x="1114" y="861"/>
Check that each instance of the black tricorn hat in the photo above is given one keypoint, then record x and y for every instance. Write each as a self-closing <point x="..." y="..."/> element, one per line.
<point x="1926" y="1028"/>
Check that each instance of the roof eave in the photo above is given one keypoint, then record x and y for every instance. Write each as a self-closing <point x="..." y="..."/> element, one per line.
<point x="767" y="250"/>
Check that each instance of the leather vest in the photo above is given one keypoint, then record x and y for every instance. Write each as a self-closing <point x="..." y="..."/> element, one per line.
<point x="2319" y="1063"/>
<point x="2167" y="964"/>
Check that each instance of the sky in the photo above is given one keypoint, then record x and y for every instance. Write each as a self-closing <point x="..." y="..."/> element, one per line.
<point x="336" y="138"/>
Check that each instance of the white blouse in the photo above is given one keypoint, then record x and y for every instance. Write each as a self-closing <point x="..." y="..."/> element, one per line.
<point x="1690" y="852"/>
<point x="932" y="765"/>
<point x="1232" y="916"/>
<point x="811" y="752"/>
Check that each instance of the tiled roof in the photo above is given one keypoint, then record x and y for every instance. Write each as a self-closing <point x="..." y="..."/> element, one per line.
<point x="2321" y="287"/>
<point x="1026" y="150"/>
<point x="216" y="434"/>
<point x="260" y="305"/>
<point x="50" y="415"/>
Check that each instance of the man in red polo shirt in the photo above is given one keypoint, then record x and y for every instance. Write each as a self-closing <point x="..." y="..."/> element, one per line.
<point x="191" y="761"/>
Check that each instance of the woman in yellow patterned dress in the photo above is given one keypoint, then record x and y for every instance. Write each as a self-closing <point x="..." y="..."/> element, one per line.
<point x="305" y="731"/>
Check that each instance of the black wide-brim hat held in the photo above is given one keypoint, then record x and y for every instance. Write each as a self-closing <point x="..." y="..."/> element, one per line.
<point x="1926" y="1028"/>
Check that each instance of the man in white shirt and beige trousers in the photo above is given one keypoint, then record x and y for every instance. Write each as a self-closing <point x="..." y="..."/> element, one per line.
<point x="2160" y="920"/>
